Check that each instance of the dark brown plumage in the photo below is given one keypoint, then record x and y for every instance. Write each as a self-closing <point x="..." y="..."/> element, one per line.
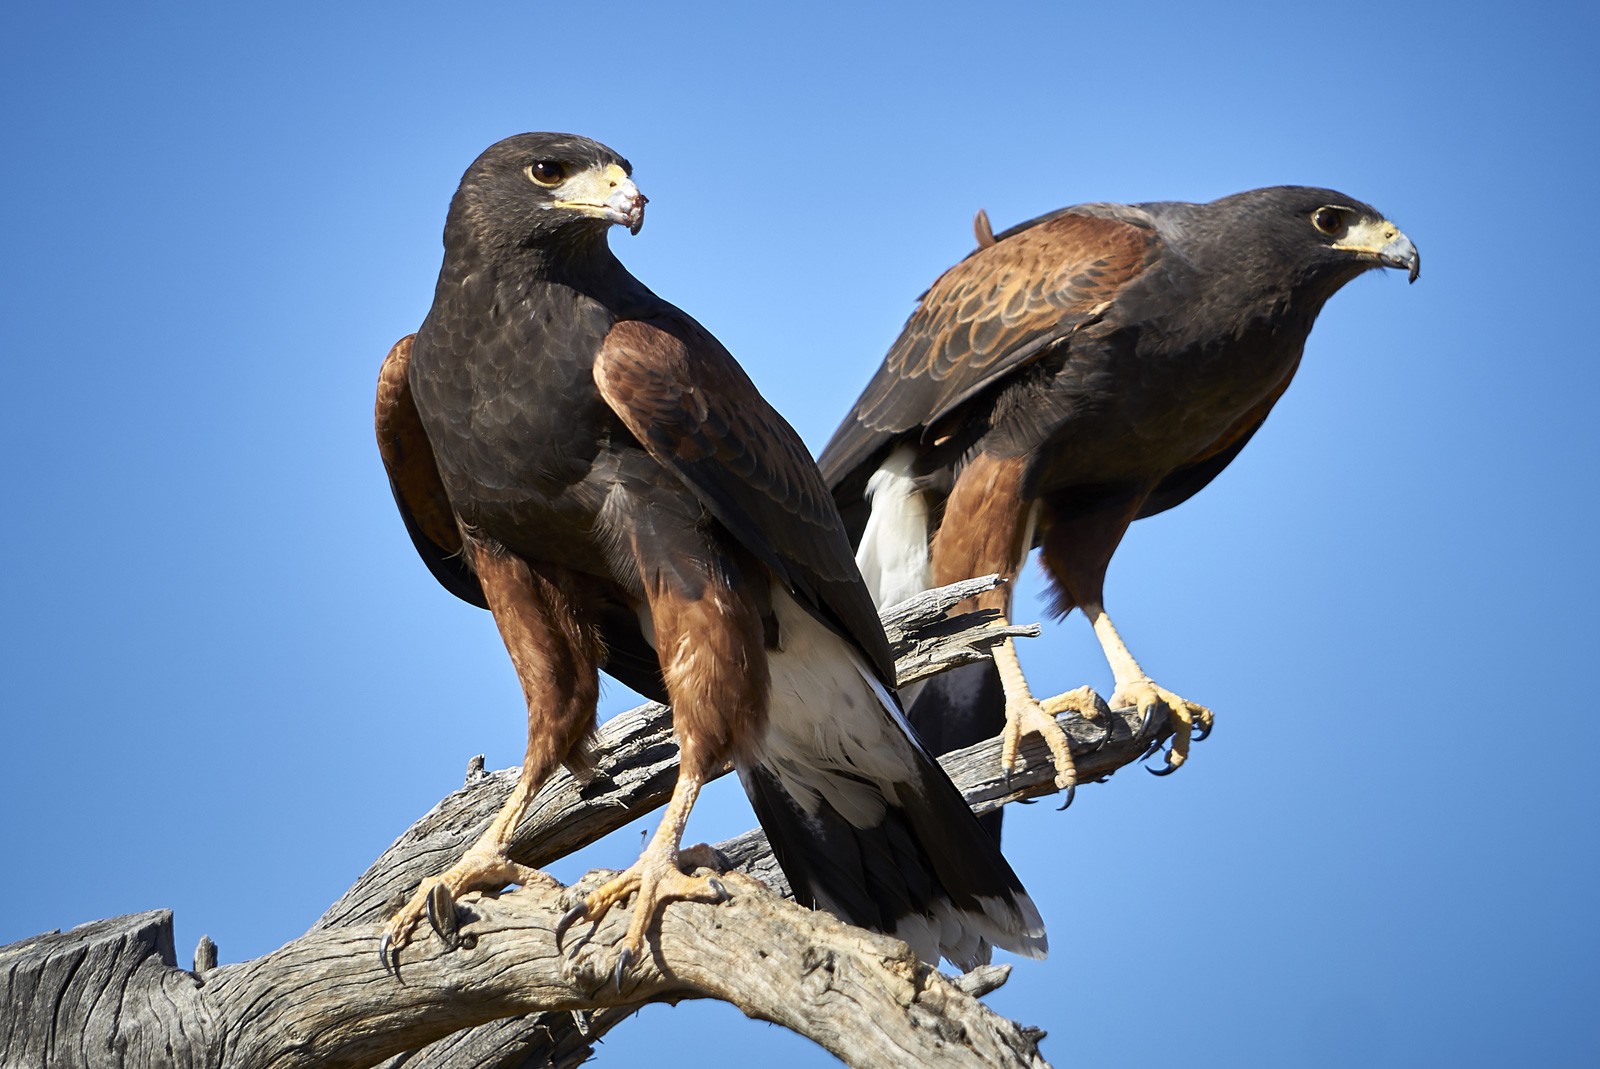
<point x="1074" y="373"/>
<point x="585" y="460"/>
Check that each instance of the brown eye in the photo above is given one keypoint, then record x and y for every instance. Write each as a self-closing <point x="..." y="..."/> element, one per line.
<point x="1328" y="220"/>
<point x="547" y="172"/>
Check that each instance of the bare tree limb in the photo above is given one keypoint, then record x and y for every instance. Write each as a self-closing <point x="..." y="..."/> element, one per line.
<point x="325" y="1000"/>
<point x="109" y="994"/>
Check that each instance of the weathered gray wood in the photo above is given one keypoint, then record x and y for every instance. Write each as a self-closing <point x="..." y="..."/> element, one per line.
<point x="326" y="1001"/>
<point x="103" y="994"/>
<point x="109" y="994"/>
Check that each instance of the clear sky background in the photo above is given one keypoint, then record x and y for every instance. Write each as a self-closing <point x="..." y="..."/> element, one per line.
<point x="227" y="682"/>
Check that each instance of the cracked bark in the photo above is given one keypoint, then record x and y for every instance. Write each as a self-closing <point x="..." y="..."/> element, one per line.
<point x="110" y="993"/>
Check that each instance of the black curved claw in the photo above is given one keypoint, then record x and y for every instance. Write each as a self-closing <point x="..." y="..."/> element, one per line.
<point x="1144" y="723"/>
<point x="718" y="888"/>
<point x="1151" y="750"/>
<point x="1106" y="735"/>
<point x="623" y="961"/>
<point x="383" y="956"/>
<point x="567" y="920"/>
<point x="1165" y="770"/>
<point x="1072" y="790"/>
<point x="441" y="909"/>
<point x="1203" y="731"/>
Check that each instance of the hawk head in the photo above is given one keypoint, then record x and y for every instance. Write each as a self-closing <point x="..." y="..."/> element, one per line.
<point x="1319" y="233"/>
<point x="532" y="189"/>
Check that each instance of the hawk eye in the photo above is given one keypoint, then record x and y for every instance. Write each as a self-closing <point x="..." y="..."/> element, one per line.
<point x="547" y="172"/>
<point x="1329" y="220"/>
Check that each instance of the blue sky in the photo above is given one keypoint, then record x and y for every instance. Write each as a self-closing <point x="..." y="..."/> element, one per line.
<point x="223" y="669"/>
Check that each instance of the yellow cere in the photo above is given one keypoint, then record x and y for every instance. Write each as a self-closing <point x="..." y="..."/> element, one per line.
<point x="1368" y="235"/>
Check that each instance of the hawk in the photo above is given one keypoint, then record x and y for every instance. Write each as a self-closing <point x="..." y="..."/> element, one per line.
<point x="587" y="462"/>
<point x="1079" y="371"/>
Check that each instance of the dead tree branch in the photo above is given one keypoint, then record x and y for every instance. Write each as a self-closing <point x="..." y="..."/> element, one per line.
<point x="110" y="994"/>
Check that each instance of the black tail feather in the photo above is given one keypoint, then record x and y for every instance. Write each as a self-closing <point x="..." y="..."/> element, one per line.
<point x="927" y="871"/>
<point x="958" y="708"/>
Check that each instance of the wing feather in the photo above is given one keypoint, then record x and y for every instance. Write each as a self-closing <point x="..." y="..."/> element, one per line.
<point x="414" y="478"/>
<point x="989" y="315"/>
<point x="695" y="410"/>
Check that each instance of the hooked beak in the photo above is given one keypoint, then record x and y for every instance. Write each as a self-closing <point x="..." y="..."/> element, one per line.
<point x="1384" y="242"/>
<point x="1401" y="253"/>
<point x="609" y="194"/>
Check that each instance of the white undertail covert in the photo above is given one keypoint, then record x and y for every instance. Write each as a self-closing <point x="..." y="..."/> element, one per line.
<point x="893" y="555"/>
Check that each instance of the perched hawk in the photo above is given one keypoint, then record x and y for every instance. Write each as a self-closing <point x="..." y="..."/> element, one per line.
<point x="586" y="461"/>
<point x="1080" y="371"/>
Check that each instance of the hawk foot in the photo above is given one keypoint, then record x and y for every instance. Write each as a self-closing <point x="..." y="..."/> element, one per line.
<point x="480" y="869"/>
<point x="1026" y="716"/>
<point x="657" y="878"/>
<point x="1083" y="701"/>
<point x="1185" y="715"/>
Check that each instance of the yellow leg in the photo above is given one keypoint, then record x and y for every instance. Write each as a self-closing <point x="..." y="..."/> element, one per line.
<point x="1024" y="714"/>
<point x="657" y="877"/>
<point x="1134" y="687"/>
<point x="484" y="867"/>
<point x="556" y="657"/>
